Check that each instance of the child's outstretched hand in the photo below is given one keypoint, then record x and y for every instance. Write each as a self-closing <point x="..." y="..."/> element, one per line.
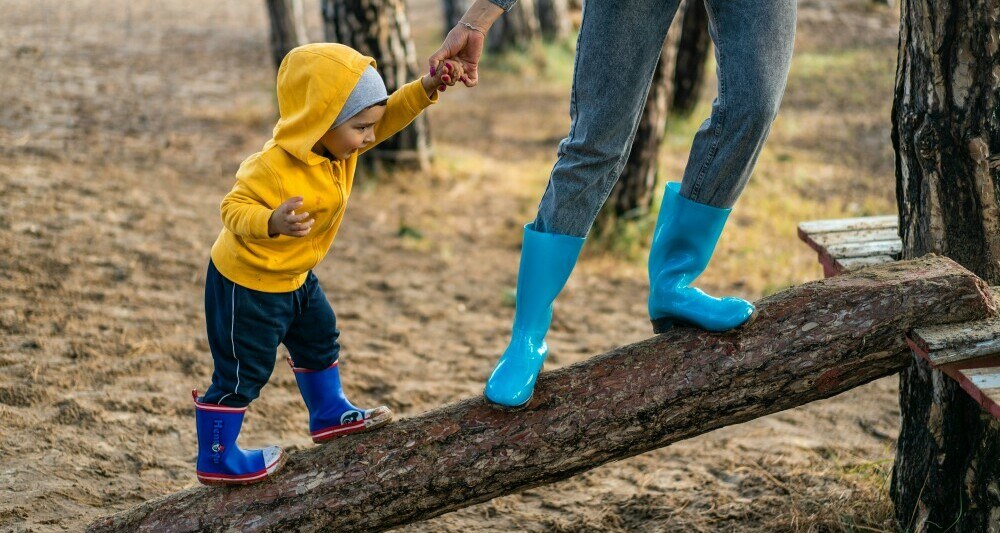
<point x="447" y="74"/>
<point x="284" y="220"/>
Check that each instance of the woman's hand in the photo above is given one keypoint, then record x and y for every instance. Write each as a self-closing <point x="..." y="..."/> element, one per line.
<point x="447" y="75"/>
<point x="465" y="44"/>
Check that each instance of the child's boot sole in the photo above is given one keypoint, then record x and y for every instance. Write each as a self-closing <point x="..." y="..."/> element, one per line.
<point x="379" y="420"/>
<point x="665" y="324"/>
<point x="248" y="479"/>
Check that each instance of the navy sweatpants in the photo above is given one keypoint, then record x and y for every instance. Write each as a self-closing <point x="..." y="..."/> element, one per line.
<point x="246" y="326"/>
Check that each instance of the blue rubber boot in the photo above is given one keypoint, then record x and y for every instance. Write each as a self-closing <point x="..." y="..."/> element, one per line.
<point x="547" y="260"/>
<point x="685" y="237"/>
<point x="220" y="460"/>
<point x="330" y="414"/>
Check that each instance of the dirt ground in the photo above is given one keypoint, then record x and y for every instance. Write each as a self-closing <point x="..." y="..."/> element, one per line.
<point x="121" y="125"/>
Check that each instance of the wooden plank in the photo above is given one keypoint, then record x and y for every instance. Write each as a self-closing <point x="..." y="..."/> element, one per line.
<point x="950" y="343"/>
<point x="844" y="237"/>
<point x="865" y="249"/>
<point x="850" y="224"/>
<point x="983" y="384"/>
<point x="808" y="239"/>
<point x="847" y="244"/>
<point x="853" y="263"/>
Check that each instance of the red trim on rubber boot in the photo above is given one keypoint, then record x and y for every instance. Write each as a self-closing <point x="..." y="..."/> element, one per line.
<point x="210" y="478"/>
<point x="223" y="479"/>
<point x="214" y="407"/>
<point x="332" y="432"/>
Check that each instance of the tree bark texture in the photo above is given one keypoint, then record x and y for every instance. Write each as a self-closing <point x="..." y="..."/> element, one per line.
<point x="946" y="132"/>
<point x="692" y="58"/>
<point x="518" y="29"/>
<point x="553" y="19"/>
<point x="453" y="11"/>
<point x="810" y="342"/>
<point x="379" y="28"/>
<point x="288" y="28"/>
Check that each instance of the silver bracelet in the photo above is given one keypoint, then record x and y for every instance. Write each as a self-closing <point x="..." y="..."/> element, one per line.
<point x="471" y="27"/>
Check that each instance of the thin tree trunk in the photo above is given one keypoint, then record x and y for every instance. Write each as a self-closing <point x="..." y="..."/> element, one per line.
<point x="553" y="19"/>
<point x="810" y="342"/>
<point x="379" y="28"/>
<point x="453" y="11"/>
<point x="288" y="28"/>
<point x="516" y="30"/>
<point x="692" y="58"/>
<point x="946" y="132"/>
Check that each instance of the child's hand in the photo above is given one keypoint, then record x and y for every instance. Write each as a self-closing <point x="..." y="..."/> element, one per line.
<point x="448" y="74"/>
<point x="284" y="221"/>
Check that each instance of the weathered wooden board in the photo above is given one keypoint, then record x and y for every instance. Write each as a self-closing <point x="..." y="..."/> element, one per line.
<point x="949" y="343"/>
<point x="983" y="384"/>
<point x="848" y="244"/>
<point x="845" y="237"/>
<point x="850" y="224"/>
<point x="865" y="249"/>
<point x="854" y="263"/>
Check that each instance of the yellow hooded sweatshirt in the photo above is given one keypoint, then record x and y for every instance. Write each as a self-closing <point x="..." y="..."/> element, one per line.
<point x="314" y="82"/>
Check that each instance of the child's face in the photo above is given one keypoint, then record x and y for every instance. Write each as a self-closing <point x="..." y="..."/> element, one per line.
<point x="355" y="134"/>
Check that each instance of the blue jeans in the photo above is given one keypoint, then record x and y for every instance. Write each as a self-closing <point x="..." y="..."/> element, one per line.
<point x="246" y="326"/>
<point x="617" y="51"/>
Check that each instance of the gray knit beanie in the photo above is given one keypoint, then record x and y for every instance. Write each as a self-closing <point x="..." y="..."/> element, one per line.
<point x="369" y="91"/>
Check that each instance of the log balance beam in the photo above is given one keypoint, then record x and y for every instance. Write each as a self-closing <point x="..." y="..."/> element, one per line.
<point x="809" y="342"/>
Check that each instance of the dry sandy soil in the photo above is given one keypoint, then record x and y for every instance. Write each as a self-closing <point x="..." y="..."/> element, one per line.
<point x="121" y="126"/>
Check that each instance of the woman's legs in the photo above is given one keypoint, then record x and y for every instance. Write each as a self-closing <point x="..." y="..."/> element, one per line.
<point x="753" y="51"/>
<point x="617" y="51"/>
<point x="753" y="47"/>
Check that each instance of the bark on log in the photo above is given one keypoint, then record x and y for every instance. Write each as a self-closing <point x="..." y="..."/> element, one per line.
<point x="810" y="342"/>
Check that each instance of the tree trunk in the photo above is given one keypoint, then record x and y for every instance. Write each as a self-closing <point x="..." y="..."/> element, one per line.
<point x="453" y="11"/>
<point x="378" y="28"/>
<point x="553" y="19"/>
<point x="288" y="28"/>
<point x="692" y="58"/>
<point x="946" y="132"/>
<point x="516" y="30"/>
<point x="810" y="342"/>
<point x="633" y="195"/>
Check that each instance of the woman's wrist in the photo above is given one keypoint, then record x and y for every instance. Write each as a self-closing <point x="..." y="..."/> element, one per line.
<point x="481" y="14"/>
<point x="472" y="27"/>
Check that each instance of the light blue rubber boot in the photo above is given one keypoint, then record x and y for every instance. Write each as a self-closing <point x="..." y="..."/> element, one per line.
<point x="685" y="237"/>
<point x="547" y="259"/>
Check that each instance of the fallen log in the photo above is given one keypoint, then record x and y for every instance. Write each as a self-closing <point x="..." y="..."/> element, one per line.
<point x="810" y="342"/>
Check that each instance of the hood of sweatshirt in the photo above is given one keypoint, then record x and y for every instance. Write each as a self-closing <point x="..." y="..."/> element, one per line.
<point x="314" y="82"/>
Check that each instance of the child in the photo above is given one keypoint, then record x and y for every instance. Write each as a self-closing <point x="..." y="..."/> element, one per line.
<point x="280" y="220"/>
